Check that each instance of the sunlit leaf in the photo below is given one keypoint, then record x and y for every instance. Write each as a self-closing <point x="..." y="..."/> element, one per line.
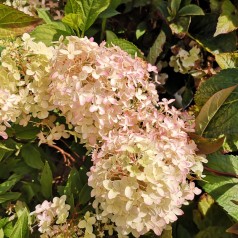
<point x="44" y="14"/>
<point x="20" y="229"/>
<point x="3" y="147"/>
<point x="73" y="20"/>
<point x="228" y="20"/>
<point x="14" y="23"/>
<point x="89" y="10"/>
<point x="1" y="233"/>
<point x="221" y="181"/>
<point x="227" y="60"/>
<point x="206" y="217"/>
<point x="207" y="145"/>
<point x="156" y="48"/>
<point x="110" y="35"/>
<point x="127" y="46"/>
<point x="141" y="29"/>
<point x="9" y="183"/>
<point x="224" y="121"/>
<point x="210" y="109"/>
<point x="202" y="29"/>
<point x="180" y="25"/>
<point x="190" y="10"/>
<point x="51" y="32"/>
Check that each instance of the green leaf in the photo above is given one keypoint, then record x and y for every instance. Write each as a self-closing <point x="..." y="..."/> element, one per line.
<point x="190" y="10"/>
<point x="3" y="150"/>
<point x="20" y="229"/>
<point x="73" y="20"/>
<point x="202" y="29"/>
<point x="8" y="229"/>
<point x="83" y="174"/>
<point x="109" y="13"/>
<point x="28" y="132"/>
<point x="213" y="231"/>
<point x="46" y="180"/>
<point x="111" y="9"/>
<point x="227" y="60"/>
<point x="215" y="5"/>
<point x="29" y="191"/>
<point x="10" y="196"/>
<point x="85" y="194"/>
<point x="87" y="9"/>
<point x="224" y="122"/>
<point x="228" y="20"/>
<point x="74" y="183"/>
<point x="157" y="48"/>
<point x="11" y="181"/>
<point x="51" y="32"/>
<point x="127" y="46"/>
<point x="180" y="25"/>
<point x="3" y="221"/>
<point x="207" y="145"/>
<point x="174" y="6"/>
<point x="210" y="109"/>
<point x="3" y="147"/>
<point x="110" y="35"/>
<point x="233" y="229"/>
<point x="1" y="233"/>
<point x="162" y="6"/>
<point x="141" y="29"/>
<point x="32" y="156"/>
<point x="14" y="23"/>
<point x="72" y="6"/>
<point x="222" y="188"/>
<point x="44" y="14"/>
<point x="166" y="234"/>
<point x="207" y="214"/>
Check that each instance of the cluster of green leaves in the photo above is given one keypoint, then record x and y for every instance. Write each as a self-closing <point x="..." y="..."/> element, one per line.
<point x="148" y="29"/>
<point x="31" y="173"/>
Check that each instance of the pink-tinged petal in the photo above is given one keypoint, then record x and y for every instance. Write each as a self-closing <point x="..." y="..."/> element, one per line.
<point x="3" y="135"/>
<point x="152" y="68"/>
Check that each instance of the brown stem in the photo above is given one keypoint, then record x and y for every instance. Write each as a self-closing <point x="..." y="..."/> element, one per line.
<point x="70" y="148"/>
<point x="221" y="173"/>
<point x="68" y="158"/>
<point x="80" y="159"/>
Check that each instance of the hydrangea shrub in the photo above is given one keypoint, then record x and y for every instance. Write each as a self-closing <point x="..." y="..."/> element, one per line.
<point x="132" y="161"/>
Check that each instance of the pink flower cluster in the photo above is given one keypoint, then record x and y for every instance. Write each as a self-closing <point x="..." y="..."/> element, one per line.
<point x="143" y="157"/>
<point x="99" y="89"/>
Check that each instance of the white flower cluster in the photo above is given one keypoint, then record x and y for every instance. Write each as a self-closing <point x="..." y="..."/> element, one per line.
<point x="143" y="157"/>
<point x="185" y="61"/>
<point x="24" y="78"/>
<point x="52" y="216"/>
<point x="139" y="180"/>
<point x="21" y="5"/>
